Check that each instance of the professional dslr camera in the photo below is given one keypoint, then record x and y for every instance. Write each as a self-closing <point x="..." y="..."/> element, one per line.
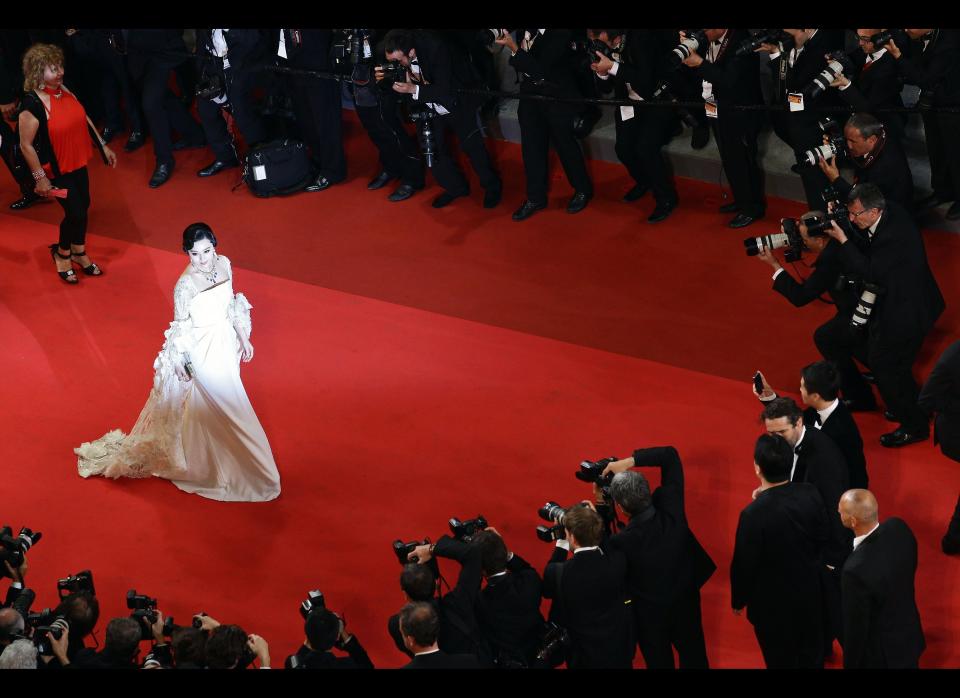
<point x="664" y="93"/>
<point x="838" y="63"/>
<point x="423" y="118"/>
<point x="81" y="581"/>
<point x="592" y="471"/>
<point x="551" y="511"/>
<point x="694" y="40"/>
<point x="43" y="633"/>
<point x="788" y="238"/>
<point x="763" y="36"/>
<point x="868" y="299"/>
<point x="402" y="550"/>
<point x="145" y="613"/>
<point x="393" y="71"/>
<point x="836" y="145"/>
<point x="313" y="602"/>
<point x="588" y="49"/>
<point x="210" y="85"/>
<point x="466" y="530"/>
<point x="898" y="36"/>
<point x="12" y="549"/>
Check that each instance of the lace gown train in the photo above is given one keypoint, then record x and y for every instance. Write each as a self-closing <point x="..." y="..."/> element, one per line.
<point x="201" y="434"/>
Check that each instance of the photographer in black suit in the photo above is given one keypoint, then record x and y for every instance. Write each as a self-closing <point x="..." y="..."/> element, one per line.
<point x="325" y="630"/>
<point x="730" y="80"/>
<point x="776" y="567"/>
<point x="152" y="55"/>
<point x="589" y="594"/>
<point x="820" y="390"/>
<point x="546" y="64"/>
<point x="420" y="628"/>
<point x="636" y="68"/>
<point x="12" y="46"/>
<point x="666" y="565"/>
<point x="459" y="633"/>
<point x="436" y="69"/>
<point x="230" y="62"/>
<point x="794" y="69"/>
<point x="876" y="158"/>
<point x="932" y="62"/>
<point x="881" y="621"/>
<point x="876" y="85"/>
<point x="893" y="259"/>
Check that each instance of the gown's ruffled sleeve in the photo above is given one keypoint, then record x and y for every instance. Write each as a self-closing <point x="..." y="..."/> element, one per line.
<point x="178" y="338"/>
<point x="239" y="308"/>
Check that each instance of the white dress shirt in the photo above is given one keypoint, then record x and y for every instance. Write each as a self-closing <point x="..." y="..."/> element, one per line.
<point x="826" y="412"/>
<point x="859" y="539"/>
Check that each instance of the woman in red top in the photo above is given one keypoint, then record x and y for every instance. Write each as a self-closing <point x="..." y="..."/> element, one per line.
<point x="55" y="137"/>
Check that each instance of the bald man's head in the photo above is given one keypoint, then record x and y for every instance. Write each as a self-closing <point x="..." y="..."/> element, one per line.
<point x="858" y="508"/>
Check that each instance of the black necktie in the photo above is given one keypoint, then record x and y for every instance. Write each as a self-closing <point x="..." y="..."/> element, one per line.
<point x="817" y="421"/>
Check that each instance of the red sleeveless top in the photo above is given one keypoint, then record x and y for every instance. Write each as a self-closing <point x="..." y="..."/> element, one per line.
<point x="67" y="127"/>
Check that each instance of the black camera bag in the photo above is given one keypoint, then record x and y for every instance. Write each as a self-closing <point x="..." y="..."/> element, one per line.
<point x="277" y="168"/>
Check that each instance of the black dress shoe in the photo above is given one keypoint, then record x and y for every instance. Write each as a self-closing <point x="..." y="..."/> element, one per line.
<point x="492" y="197"/>
<point x="160" y="175"/>
<point x="402" y="193"/>
<point x="578" y="202"/>
<point x="898" y="438"/>
<point x="215" y="167"/>
<point x="319" y="184"/>
<point x="109" y="133"/>
<point x="661" y="212"/>
<point x="953" y="213"/>
<point x="741" y="220"/>
<point x="26" y="201"/>
<point x="135" y="141"/>
<point x="636" y="193"/>
<point x="859" y="406"/>
<point x="380" y="181"/>
<point x="700" y="137"/>
<point x="526" y="210"/>
<point x="732" y="207"/>
<point x="932" y="201"/>
<point x="445" y="199"/>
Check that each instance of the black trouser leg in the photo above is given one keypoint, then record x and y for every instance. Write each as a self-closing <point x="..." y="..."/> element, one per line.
<point x="791" y="645"/>
<point x="936" y="151"/>
<point x="466" y="124"/>
<point x="398" y="152"/>
<point x="387" y="148"/>
<point x="535" y="148"/>
<point x="560" y="122"/>
<point x="73" y="227"/>
<point x="153" y="94"/>
<point x="832" y="609"/>
<point x="952" y="536"/>
<point x="838" y="343"/>
<point x="686" y="632"/>
<point x="8" y="138"/>
<point x="892" y="364"/>
<point x="653" y="639"/>
<point x="118" y="69"/>
<point x="445" y="168"/>
<point x="737" y="140"/>
<point x="215" y="129"/>
<point x="317" y="105"/>
<point x="240" y="87"/>
<point x="628" y="133"/>
<point x="180" y="118"/>
<point x="654" y="133"/>
<point x="950" y="124"/>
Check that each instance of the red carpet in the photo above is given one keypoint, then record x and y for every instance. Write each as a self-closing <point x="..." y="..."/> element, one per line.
<point x="413" y="365"/>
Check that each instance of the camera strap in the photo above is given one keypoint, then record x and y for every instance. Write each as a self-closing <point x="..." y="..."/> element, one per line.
<point x="871" y="157"/>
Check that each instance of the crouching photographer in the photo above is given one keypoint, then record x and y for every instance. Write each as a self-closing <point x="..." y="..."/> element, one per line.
<point x="875" y="157"/>
<point x="666" y="565"/>
<point x="230" y="647"/>
<point x="420" y="578"/>
<point x="323" y="630"/>
<point x="589" y="595"/>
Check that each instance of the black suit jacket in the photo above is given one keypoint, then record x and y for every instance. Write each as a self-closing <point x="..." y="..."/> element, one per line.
<point x="313" y="51"/>
<point x="826" y="270"/>
<point x="936" y="69"/>
<point x="889" y="170"/>
<point x="803" y="124"/>
<point x="735" y="79"/>
<point x="941" y="394"/>
<point x="550" y="67"/>
<point x="844" y="432"/>
<point x="881" y="623"/>
<point x="357" y="657"/>
<point x="642" y="63"/>
<point x="776" y="567"/>
<point x="508" y="611"/>
<point x="163" y="47"/>
<point x="589" y="591"/>
<point x="437" y="67"/>
<point x="821" y="464"/>
<point x="877" y="86"/>
<point x="245" y="47"/>
<point x="442" y="660"/>
<point x="896" y="260"/>
<point x="664" y="559"/>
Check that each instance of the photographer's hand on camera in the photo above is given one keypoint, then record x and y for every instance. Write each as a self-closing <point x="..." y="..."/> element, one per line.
<point x="768" y="392"/>
<point x="59" y="647"/>
<point x="407" y="87"/>
<point x="836" y="232"/>
<point x="421" y="554"/>
<point x="829" y="167"/>
<point x="893" y="49"/>
<point x="206" y="622"/>
<point x="770" y="49"/>
<point x="694" y="60"/>
<point x="770" y="258"/>
<point x="603" y="66"/>
<point x="618" y="466"/>
<point x="508" y="41"/>
<point x="17" y="574"/>
<point x="261" y="649"/>
<point x="156" y="628"/>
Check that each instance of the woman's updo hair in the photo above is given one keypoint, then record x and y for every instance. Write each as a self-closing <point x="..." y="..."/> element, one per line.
<point x="196" y="232"/>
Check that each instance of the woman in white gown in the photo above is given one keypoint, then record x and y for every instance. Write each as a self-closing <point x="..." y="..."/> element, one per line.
<point x="198" y="427"/>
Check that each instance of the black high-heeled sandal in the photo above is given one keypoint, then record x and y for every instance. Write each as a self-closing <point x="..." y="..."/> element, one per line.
<point x="92" y="270"/>
<point x="68" y="276"/>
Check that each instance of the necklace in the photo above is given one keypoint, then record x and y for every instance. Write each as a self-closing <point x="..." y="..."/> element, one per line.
<point x="55" y="94"/>
<point x="211" y="277"/>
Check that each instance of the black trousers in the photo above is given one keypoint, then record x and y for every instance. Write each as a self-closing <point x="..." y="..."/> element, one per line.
<point x="398" y="151"/>
<point x="464" y="121"/>
<point x="943" y="148"/>
<point x="791" y="643"/>
<point x="113" y="82"/>
<point x="639" y="147"/>
<point x="239" y="87"/>
<point x="165" y="112"/>
<point x="73" y="227"/>
<point x="796" y="130"/>
<point x="890" y="359"/>
<point x="543" y="124"/>
<point x="736" y="136"/>
<point x="317" y="105"/>
<point x="9" y="138"/>
<point x="680" y="627"/>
